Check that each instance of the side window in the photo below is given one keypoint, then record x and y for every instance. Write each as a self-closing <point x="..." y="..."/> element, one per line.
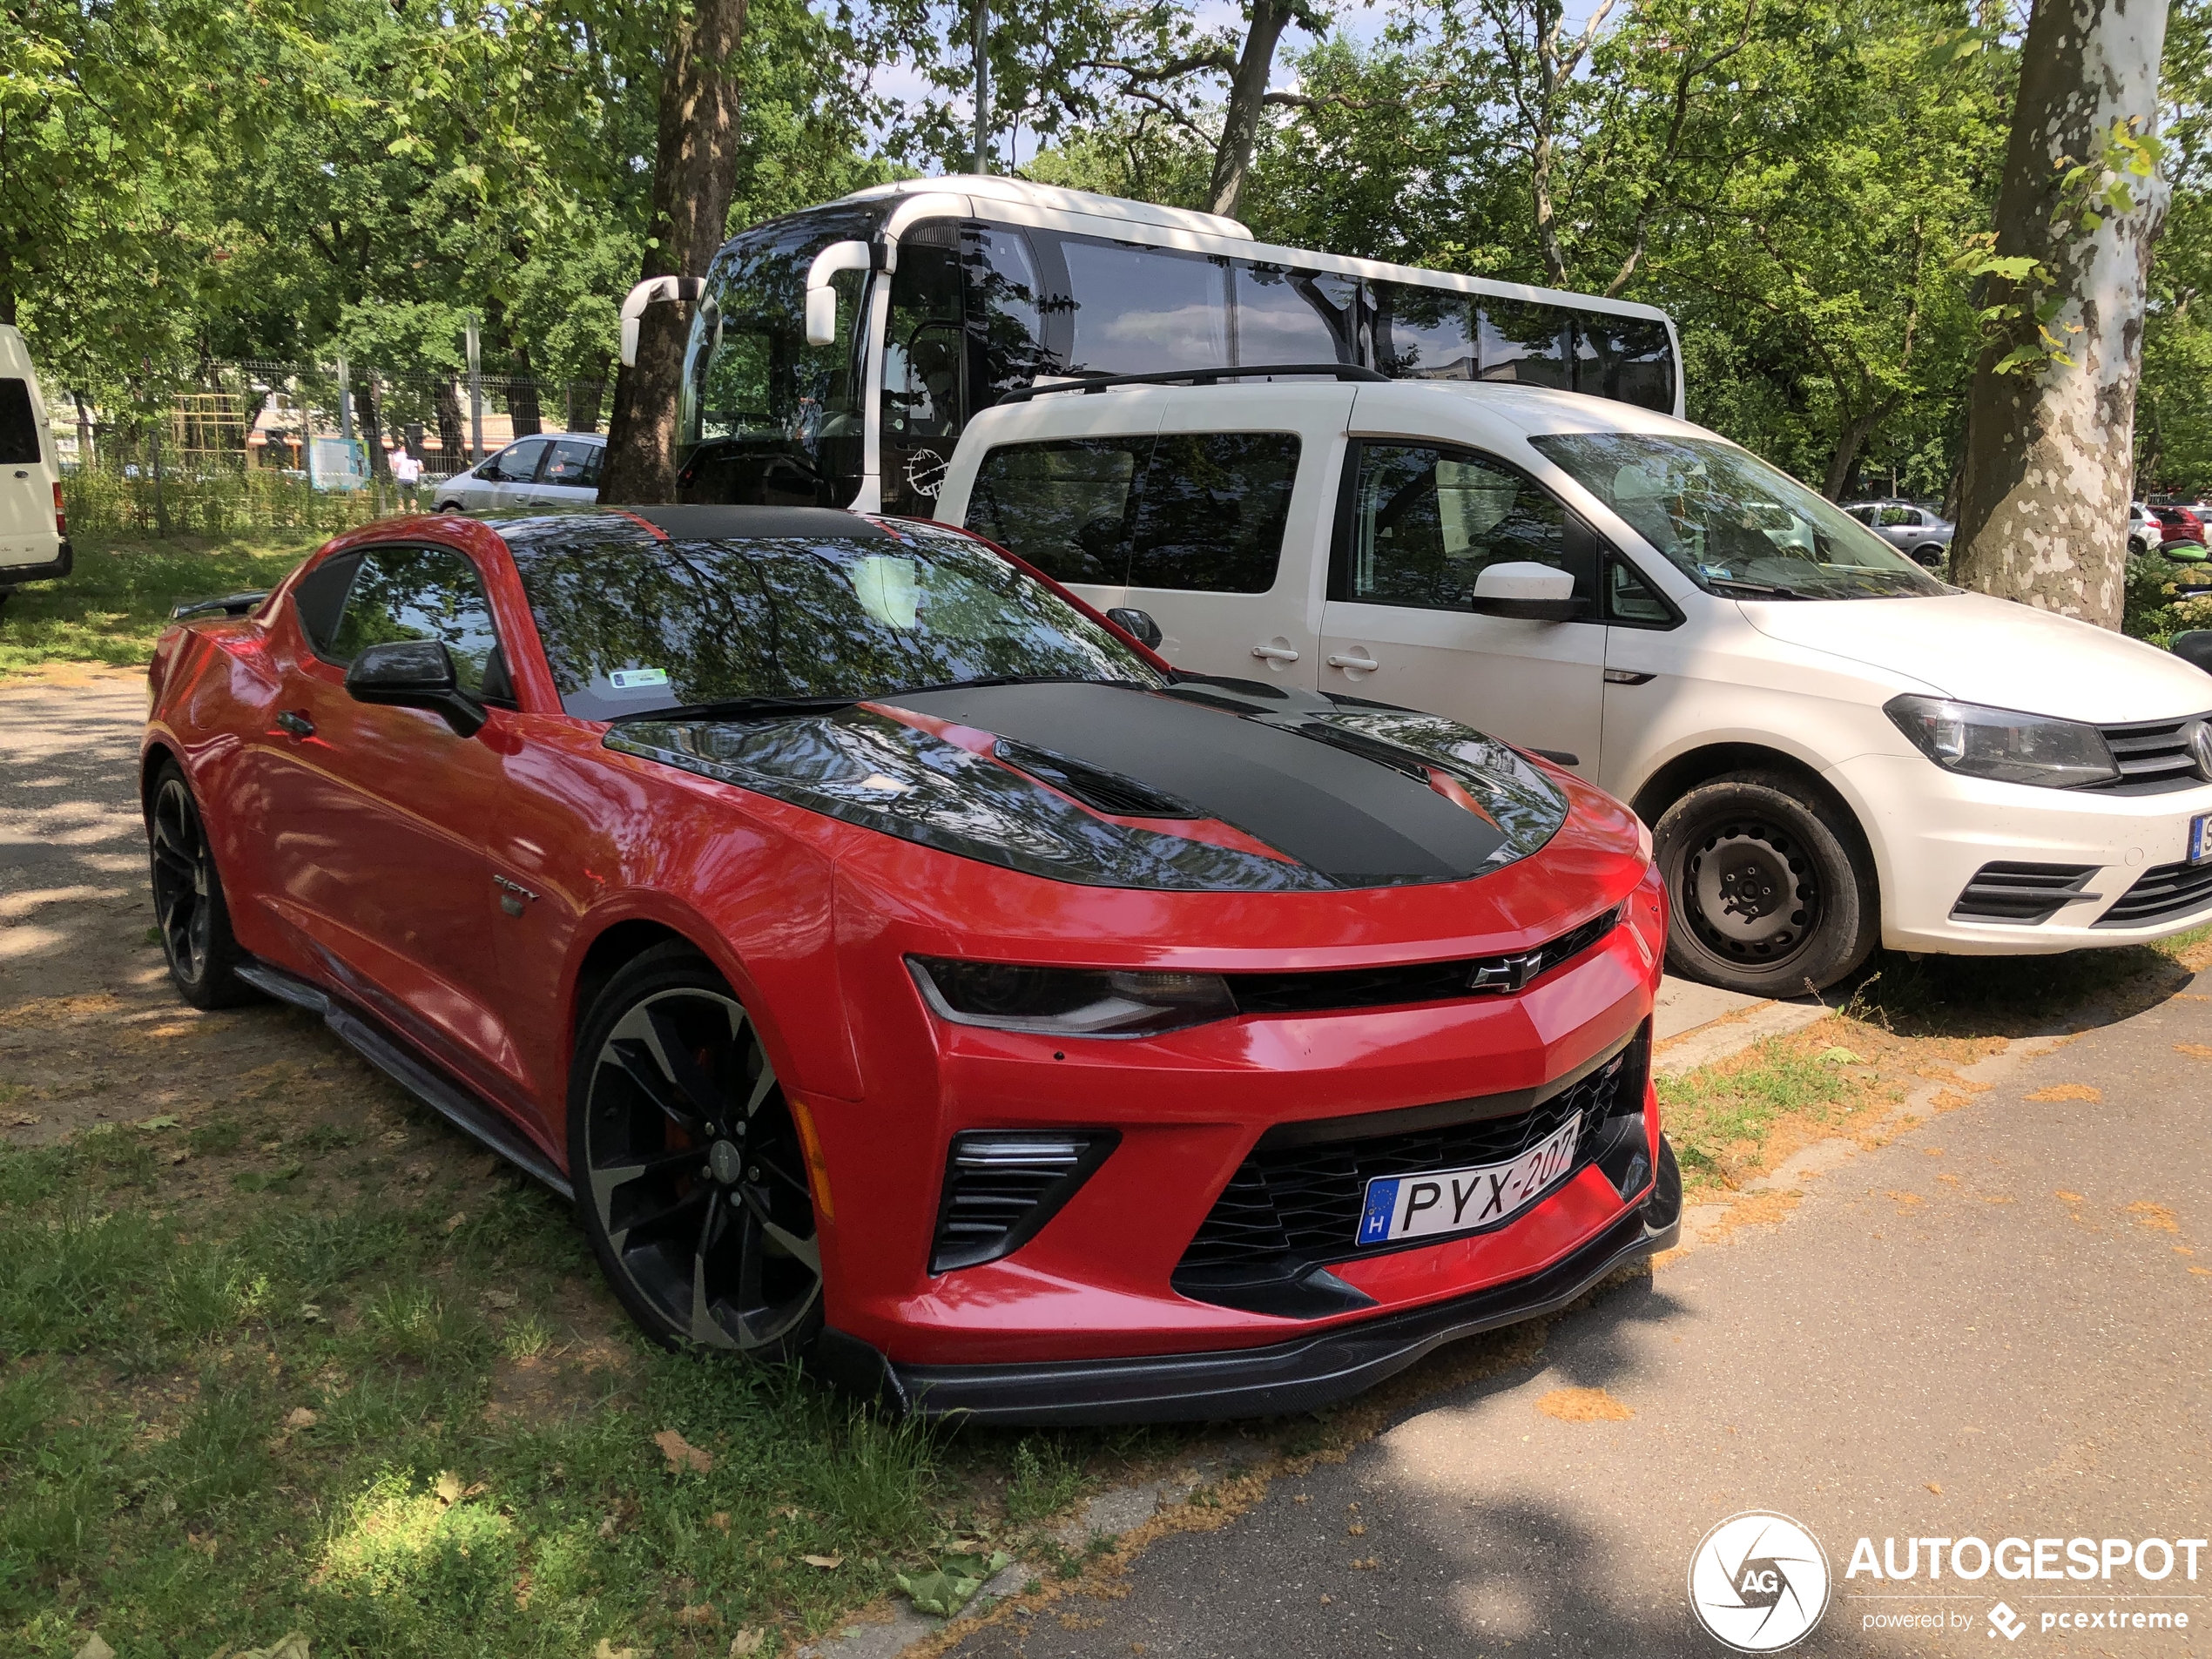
<point x="320" y="595"/>
<point x="18" y="425"/>
<point x="1629" y="599"/>
<point x="922" y="349"/>
<point x="1138" y="310"/>
<point x="575" y="464"/>
<point x="1065" y="507"/>
<point x="1891" y="518"/>
<point x="1213" y="510"/>
<point x="1425" y="523"/>
<point x="1286" y="316"/>
<point x="1525" y="343"/>
<point x="1422" y="333"/>
<point x="518" y="464"/>
<point x="418" y="593"/>
<point x="1626" y="359"/>
<point x="1005" y="314"/>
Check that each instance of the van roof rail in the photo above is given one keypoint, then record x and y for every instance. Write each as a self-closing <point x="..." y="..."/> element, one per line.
<point x="1195" y="377"/>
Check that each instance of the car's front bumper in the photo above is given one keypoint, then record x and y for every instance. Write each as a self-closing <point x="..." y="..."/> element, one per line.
<point x="1303" y="1374"/>
<point x="1933" y="831"/>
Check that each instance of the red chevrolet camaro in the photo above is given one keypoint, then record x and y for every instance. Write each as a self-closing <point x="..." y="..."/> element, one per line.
<point x="904" y="970"/>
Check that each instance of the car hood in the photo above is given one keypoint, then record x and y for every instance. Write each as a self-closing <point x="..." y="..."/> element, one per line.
<point x="1994" y="651"/>
<point x="1205" y="785"/>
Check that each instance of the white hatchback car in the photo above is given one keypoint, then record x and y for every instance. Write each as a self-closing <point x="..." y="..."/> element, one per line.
<point x="1833" y="746"/>
<point x="551" y="470"/>
<point x="34" y="534"/>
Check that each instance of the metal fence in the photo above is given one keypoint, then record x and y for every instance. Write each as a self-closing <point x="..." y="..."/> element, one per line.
<point x="238" y="449"/>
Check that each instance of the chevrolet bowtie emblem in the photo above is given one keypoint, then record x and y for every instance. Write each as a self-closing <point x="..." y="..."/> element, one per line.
<point x="1506" y="973"/>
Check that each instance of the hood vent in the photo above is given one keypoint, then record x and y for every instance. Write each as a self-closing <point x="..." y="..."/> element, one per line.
<point x="1096" y="787"/>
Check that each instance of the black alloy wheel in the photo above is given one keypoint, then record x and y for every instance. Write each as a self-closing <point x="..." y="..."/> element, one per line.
<point x="188" y="905"/>
<point x="1771" y="894"/>
<point x="690" y="1176"/>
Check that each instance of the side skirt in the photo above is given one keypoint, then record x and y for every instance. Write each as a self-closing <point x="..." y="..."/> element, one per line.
<point x="458" y="1104"/>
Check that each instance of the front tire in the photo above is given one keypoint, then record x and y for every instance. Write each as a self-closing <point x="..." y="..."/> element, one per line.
<point x="189" y="908"/>
<point x="690" y="1178"/>
<point x="1772" y="893"/>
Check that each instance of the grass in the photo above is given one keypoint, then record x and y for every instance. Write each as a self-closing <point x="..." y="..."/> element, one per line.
<point x="113" y="606"/>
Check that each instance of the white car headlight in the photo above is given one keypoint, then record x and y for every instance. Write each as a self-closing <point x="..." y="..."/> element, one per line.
<point x="2004" y="744"/>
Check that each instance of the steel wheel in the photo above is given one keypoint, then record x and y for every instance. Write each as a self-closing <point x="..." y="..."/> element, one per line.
<point x="695" y="1177"/>
<point x="1751" y="893"/>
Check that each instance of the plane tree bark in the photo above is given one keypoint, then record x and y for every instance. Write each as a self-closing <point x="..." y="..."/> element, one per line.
<point x="2043" y="507"/>
<point x="694" y="176"/>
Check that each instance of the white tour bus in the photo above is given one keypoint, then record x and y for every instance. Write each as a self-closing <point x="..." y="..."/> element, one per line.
<point x="836" y="353"/>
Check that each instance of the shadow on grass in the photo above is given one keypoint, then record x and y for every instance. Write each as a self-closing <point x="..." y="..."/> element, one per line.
<point x="2021" y="996"/>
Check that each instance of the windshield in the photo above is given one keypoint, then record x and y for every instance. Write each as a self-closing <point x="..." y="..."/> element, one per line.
<point x="1734" y="524"/>
<point x="635" y="629"/>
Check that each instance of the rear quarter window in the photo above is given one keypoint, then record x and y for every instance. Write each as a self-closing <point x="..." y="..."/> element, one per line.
<point x="18" y="425"/>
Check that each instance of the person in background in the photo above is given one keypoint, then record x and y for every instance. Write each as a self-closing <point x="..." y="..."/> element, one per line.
<point x="407" y="473"/>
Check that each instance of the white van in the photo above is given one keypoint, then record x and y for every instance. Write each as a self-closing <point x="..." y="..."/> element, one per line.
<point x="1833" y="746"/>
<point x="34" y="534"/>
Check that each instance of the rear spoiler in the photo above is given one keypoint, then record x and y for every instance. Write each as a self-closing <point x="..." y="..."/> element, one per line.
<point x="231" y="604"/>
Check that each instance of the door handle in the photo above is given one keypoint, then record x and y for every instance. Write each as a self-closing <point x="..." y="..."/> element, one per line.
<point x="1344" y="659"/>
<point x="298" y="724"/>
<point x="1275" y="653"/>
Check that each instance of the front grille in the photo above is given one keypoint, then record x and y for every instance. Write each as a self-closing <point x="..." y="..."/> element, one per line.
<point x="1001" y="1186"/>
<point x="2022" y="893"/>
<point x="2154" y="757"/>
<point x="2162" y="890"/>
<point x="1367" y="988"/>
<point x="1298" y="1195"/>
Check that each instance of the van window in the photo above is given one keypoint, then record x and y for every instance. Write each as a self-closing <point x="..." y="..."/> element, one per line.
<point x="1286" y="316"/>
<point x="1629" y="599"/>
<point x="1213" y="510"/>
<point x="1525" y="343"/>
<point x="1063" y="506"/>
<point x="1426" y="522"/>
<point x="1422" y="333"/>
<point x="1627" y="358"/>
<point x="18" y="425"/>
<point x="1138" y="310"/>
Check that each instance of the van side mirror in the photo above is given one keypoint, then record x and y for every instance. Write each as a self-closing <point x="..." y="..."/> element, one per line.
<point x="1130" y="620"/>
<point x="415" y="674"/>
<point x="1530" y="591"/>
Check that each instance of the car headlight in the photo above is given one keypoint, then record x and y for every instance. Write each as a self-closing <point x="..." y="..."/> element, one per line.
<point x="1999" y="744"/>
<point x="1069" y="1001"/>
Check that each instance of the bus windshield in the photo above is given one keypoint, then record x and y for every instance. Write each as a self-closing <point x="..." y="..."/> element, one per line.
<point x="763" y="417"/>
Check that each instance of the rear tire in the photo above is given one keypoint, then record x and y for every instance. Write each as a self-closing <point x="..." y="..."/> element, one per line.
<point x="1772" y="894"/>
<point x="690" y="1178"/>
<point x="189" y="908"/>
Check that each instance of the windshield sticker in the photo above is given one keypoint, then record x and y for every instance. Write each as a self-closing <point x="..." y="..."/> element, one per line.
<point x="639" y="679"/>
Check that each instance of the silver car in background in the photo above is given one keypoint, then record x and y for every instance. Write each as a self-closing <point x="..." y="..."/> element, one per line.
<point x="552" y="469"/>
<point x="1921" y="535"/>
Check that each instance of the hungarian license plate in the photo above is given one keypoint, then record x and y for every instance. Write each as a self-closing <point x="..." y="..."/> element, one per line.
<point x="1444" y="1201"/>
<point x="2201" y="838"/>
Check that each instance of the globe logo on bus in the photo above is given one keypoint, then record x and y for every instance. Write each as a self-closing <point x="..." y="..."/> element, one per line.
<point x="1758" y="1583"/>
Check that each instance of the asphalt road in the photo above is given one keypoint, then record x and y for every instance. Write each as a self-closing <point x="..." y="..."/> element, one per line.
<point x="1995" y="1326"/>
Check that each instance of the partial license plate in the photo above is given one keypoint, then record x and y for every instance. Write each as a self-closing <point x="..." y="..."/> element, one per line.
<point x="2201" y="838"/>
<point x="1446" y="1201"/>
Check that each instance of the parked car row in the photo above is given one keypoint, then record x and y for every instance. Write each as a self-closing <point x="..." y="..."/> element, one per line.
<point x="2172" y="527"/>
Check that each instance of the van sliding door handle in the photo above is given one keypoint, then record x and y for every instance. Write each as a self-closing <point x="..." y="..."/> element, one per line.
<point x="1275" y="653"/>
<point x="1344" y="659"/>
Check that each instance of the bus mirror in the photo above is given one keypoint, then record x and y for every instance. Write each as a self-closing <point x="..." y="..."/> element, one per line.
<point x="650" y="292"/>
<point x="821" y="299"/>
<point x="822" y="316"/>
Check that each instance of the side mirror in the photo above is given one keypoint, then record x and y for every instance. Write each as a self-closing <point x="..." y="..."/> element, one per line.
<point x="1130" y="620"/>
<point x="821" y="299"/>
<point x="415" y="674"/>
<point x="1530" y="591"/>
<point x="653" y="291"/>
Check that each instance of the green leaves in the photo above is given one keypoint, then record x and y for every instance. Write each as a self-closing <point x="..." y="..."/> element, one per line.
<point x="952" y="1583"/>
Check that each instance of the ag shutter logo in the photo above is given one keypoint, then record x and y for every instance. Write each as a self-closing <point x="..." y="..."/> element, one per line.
<point x="1758" y="1583"/>
<point x="2009" y="1624"/>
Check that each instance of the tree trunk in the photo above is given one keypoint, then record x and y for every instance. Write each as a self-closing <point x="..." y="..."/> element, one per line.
<point x="522" y="406"/>
<point x="1233" y="161"/>
<point x="1849" y="443"/>
<point x="694" y="174"/>
<point x="453" y="433"/>
<point x="369" y="421"/>
<point x="585" y="399"/>
<point x="2043" y="508"/>
<point x="84" y="456"/>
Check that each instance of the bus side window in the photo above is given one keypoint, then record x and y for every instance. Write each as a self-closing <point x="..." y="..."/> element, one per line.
<point x="1526" y="343"/>
<point x="1627" y="358"/>
<point x="1422" y="333"/>
<point x="1005" y="315"/>
<point x="1138" y="310"/>
<point x="1286" y="316"/>
<point x="1064" y="506"/>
